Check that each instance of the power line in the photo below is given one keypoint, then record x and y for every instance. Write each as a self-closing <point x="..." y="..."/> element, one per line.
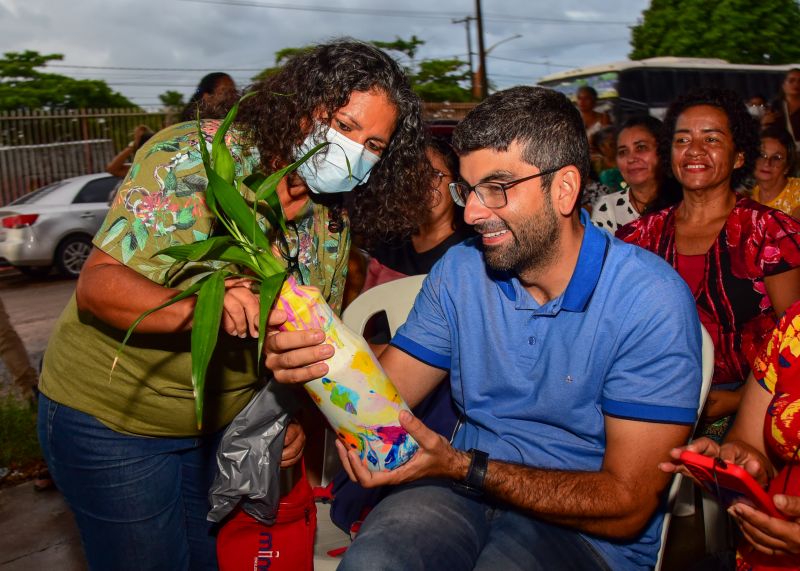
<point x="153" y="68"/>
<point x="414" y="14"/>
<point x="564" y="65"/>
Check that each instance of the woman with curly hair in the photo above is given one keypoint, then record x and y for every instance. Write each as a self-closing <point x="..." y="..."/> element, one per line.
<point x="126" y="452"/>
<point x="739" y="258"/>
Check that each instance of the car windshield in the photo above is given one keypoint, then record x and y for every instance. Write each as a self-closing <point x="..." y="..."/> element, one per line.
<point x="39" y="193"/>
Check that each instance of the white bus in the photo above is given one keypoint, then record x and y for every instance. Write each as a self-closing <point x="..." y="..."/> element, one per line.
<point x="632" y="87"/>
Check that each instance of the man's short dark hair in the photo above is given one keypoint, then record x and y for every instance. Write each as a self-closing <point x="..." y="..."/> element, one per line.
<point x="543" y="121"/>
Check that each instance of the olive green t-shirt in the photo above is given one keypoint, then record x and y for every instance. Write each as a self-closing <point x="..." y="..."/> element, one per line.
<point x="162" y="203"/>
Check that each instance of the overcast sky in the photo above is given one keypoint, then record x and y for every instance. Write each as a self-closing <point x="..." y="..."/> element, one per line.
<point x="177" y="41"/>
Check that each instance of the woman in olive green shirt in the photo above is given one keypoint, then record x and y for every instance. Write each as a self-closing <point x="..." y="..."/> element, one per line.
<point x="125" y="449"/>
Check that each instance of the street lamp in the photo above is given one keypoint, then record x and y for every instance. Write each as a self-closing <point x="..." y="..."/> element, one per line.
<point x="477" y="80"/>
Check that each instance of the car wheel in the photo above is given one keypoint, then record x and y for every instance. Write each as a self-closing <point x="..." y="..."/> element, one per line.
<point x="34" y="271"/>
<point x="71" y="255"/>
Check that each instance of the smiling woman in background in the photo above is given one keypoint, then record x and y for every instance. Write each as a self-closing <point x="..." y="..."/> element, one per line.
<point x="740" y="259"/>
<point x="646" y="189"/>
<point x="775" y="163"/>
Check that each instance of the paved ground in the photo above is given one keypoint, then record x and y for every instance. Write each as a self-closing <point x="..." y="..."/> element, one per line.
<point x="37" y="532"/>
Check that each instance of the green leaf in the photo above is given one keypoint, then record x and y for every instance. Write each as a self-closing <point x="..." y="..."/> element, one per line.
<point x="205" y="330"/>
<point x="182" y="295"/>
<point x="171" y="181"/>
<point x="140" y="231"/>
<point x="207" y="249"/>
<point x="134" y="171"/>
<point x="231" y="202"/>
<point x="201" y="143"/>
<point x="222" y="161"/>
<point x="267" y="188"/>
<point x="269" y="289"/>
<point x="185" y="218"/>
<point x="128" y="247"/>
<point x="236" y="255"/>
<point x="115" y="230"/>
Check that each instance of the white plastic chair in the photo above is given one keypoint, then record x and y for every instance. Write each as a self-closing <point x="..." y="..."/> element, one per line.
<point x="396" y="298"/>
<point x="673" y="501"/>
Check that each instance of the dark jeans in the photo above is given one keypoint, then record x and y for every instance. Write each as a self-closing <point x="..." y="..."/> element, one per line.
<point x="140" y="503"/>
<point x="428" y="526"/>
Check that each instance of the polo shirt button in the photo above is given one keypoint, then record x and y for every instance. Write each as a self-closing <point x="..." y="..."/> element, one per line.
<point x="531" y="340"/>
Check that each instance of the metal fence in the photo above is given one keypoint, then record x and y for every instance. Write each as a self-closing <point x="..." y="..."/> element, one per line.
<point x="38" y="147"/>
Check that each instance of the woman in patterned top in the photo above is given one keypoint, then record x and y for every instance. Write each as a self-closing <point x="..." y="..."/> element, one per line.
<point x="125" y="450"/>
<point x="777" y="161"/>
<point x="645" y="188"/>
<point x="740" y="258"/>
<point x="765" y="441"/>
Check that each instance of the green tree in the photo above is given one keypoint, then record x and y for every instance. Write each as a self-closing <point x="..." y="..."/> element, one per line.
<point x="172" y="100"/>
<point x="23" y="86"/>
<point x="740" y="31"/>
<point x="442" y="80"/>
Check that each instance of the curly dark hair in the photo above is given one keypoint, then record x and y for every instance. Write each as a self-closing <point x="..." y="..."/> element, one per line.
<point x="319" y="81"/>
<point x="743" y="128"/>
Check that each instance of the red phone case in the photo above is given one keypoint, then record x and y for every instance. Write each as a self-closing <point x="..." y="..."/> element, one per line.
<point x="729" y="482"/>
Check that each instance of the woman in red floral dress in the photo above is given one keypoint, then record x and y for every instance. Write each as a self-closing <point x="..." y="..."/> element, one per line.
<point x="740" y="258"/>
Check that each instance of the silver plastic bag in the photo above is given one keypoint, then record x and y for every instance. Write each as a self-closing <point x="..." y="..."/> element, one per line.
<point x="249" y="457"/>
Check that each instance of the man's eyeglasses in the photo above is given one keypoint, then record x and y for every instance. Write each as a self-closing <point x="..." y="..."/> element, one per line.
<point x="769" y="159"/>
<point x="491" y="194"/>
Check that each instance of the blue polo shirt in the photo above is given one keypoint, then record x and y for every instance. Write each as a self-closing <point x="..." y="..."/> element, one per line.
<point x="534" y="382"/>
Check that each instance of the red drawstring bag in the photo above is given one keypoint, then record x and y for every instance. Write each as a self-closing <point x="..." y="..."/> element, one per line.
<point x="245" y="544"/>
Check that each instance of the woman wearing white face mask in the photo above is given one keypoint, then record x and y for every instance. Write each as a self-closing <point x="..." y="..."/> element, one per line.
<point x="127" y="453"/>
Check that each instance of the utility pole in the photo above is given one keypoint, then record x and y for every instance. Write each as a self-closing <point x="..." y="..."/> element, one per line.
<point x="466" y="21"/>
<point x="484" y="82"/>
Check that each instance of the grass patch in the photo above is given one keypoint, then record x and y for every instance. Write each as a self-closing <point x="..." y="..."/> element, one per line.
<point x="19" y="445"/>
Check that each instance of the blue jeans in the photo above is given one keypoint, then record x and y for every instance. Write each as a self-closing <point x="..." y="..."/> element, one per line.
<point x="428" y="526"/>
<point x="140" y="502"/>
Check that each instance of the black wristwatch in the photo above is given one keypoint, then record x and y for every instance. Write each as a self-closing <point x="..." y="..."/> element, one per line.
<point x="472" y="485"/>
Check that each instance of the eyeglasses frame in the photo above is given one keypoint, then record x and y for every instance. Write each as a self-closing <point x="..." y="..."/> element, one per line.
<point x="504" y="186"/>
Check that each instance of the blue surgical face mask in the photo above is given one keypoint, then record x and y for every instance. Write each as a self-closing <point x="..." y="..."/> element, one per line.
<point x="326" y="172"/>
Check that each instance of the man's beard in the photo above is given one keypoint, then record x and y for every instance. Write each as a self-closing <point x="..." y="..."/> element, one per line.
<point x="534" y="245"/>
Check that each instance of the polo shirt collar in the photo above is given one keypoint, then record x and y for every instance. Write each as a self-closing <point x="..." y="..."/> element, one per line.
<point x="582" y="283"/>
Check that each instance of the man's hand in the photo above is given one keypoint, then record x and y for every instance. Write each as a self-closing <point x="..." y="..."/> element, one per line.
<point x="770" y="535"/>
<point x="295" y="356"/>
<point x="434" y="459"/>
<point x="293" y="443"/>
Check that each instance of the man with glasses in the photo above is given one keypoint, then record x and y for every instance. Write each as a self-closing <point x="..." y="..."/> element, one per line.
<point x="574" y="359"/>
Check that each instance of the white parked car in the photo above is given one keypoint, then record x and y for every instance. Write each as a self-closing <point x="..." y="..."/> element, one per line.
<point x="55" y="224"/>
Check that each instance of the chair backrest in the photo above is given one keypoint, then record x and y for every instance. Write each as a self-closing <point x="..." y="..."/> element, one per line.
<point x="707" y="373"/>
<point x="396" y="298"/>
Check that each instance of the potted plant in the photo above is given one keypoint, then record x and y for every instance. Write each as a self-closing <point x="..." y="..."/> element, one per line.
<point x="358" y="399"/>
